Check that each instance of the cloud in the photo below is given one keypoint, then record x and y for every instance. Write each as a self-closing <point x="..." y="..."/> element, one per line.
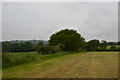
<point x="40" y="20"/>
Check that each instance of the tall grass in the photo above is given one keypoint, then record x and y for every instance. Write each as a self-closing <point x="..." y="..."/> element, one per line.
<point x="18" y="58"/>
<point x="13" y="59"/>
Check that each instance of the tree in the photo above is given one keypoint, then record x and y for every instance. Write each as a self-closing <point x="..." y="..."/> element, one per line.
<point x="26" y="47"/>
<point x="67" y="39"/>
<point x="104" y="44"/>
<point x="48" y="49"/>
<point x="112" y="43"/>
<point x="6" y="46"/>
<point x="92" y="44"/>
<point x="39" y="44"/>
<point x="118" y="43"/>
<point x="14" y="47"/>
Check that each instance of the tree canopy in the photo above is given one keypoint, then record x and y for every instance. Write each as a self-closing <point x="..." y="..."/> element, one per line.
<point x="103" y="44"/>
<point x="92" y="44"/>
<point x="67" y="39"/>
<point x="16" y="47"/>
<point x="39" y="44"/>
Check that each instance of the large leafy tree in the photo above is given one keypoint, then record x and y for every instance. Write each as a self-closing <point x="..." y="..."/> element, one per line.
<point x="103" y="44"/>
<point x="67" y="39"/>
<point x="92" y="44"/>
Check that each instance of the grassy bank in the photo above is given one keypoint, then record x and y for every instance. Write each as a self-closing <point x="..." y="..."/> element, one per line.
<point x="18" y="58"/>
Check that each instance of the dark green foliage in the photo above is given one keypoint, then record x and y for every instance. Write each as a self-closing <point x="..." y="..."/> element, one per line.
<point x="39" y="44"/>
<point x="6" y="46"/>
<point x="48" y="49"/>
<point x="26" y="47"/>
<point x="92" y="45"/>
<point x="16" y="47"/>
<point x="103" y="44"/>
<point x="118" y="43"/>
<point x="112" y="43"/>
<point x="67" y="39"/>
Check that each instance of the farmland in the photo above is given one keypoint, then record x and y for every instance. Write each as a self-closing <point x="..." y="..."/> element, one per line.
<point x="59" y="40"/>
<point x="67" y="65"/>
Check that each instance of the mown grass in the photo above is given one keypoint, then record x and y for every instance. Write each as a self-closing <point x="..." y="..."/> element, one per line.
<point x="40" y="64"/>
<point x="68" y="65"/>
<point x="19" y="58"/>
<point x="108" y="47"/>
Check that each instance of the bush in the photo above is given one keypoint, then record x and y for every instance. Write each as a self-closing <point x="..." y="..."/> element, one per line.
<point x="48" y="49"/>
<point x="113" y="47"/>
<point x="92" y="45"/>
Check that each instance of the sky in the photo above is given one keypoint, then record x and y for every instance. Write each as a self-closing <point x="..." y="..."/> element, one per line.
<point x="39" y="20"/>
<point x="60" y="0"/>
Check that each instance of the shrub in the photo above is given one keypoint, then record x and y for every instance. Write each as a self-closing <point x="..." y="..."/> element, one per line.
<point x="48" y="49"/>
<point x="113" y="47"/>
<point x="92" y="45"/>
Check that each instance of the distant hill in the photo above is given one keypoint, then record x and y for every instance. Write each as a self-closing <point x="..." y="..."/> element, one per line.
<point x="34" y="42"/>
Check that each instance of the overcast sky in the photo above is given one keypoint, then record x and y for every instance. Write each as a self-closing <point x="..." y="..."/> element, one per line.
<point x="39" y="20"/>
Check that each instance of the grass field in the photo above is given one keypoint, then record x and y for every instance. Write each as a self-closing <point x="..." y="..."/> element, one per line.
<point x="18" y="58"/>
<point x="75" y="65"/>
<point x="108" y="47"/>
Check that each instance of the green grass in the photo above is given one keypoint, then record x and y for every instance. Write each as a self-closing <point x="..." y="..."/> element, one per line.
<point x="19" y="58"/>
<point x="67" y="64"/>
<point x="43" y="62"/>
<point x="108" y="47"/>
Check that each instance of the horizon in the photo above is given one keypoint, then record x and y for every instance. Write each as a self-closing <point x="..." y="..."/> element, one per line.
<point x="48" y="40"/>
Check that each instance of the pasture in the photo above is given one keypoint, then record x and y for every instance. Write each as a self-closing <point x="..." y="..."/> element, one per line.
<point x="67" y="65"/>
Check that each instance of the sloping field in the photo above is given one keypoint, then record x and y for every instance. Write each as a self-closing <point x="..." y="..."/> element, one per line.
<point x="78" y="65"/>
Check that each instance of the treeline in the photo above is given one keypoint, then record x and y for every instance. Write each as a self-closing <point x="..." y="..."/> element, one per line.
<point x="40" y="47"/>
<point x="18" y="47"/>
<point x="69" y="39"/>
<point x="96" y="45"/>
<point x="114" y="43"/>
<point x="66" y="40"/>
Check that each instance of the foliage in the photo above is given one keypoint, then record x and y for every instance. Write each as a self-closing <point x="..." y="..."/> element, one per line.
<point x="113" y="47"/>
<point x="118" y="43"/>
<point x="39" y="44"/>
<point x="26" y="47"/>
<point x="48" y="49"/>
<point x="104" y="44"/>
<point x="16" y="47"/>
<point x="67" y="39"/>
<point x="92" y="44"/>
<point x="112" y="43"/>
<point x="6" y="46"/>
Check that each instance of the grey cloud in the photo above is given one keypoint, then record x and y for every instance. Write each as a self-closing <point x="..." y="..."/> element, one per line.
<point x="40" y="20"/>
